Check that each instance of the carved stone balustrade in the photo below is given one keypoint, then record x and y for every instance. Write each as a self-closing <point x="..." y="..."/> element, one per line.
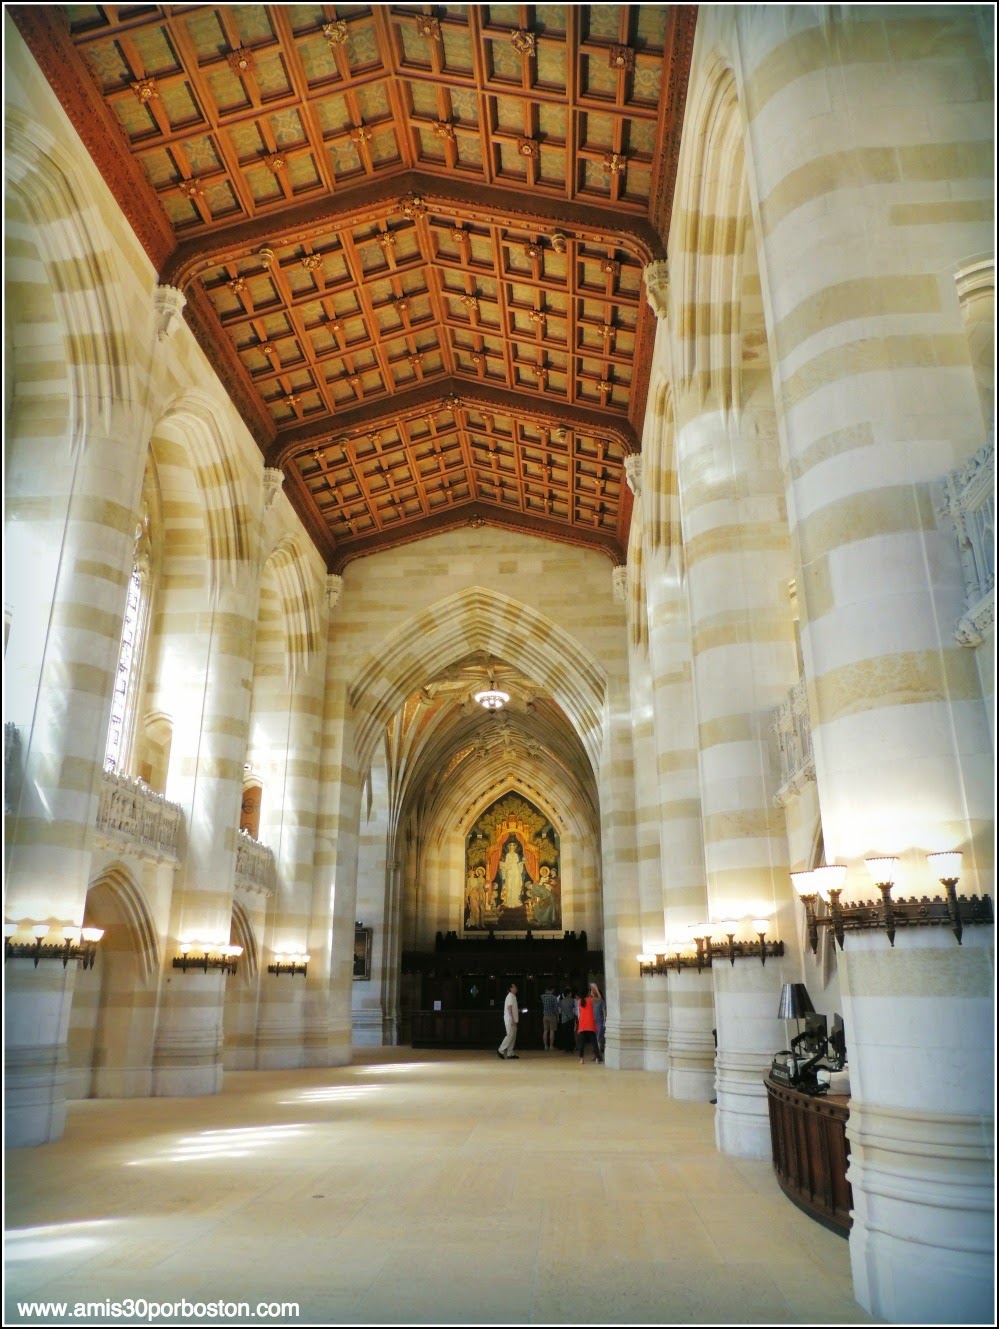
<point x="254" y="868"/>
<point x="793" y="732"/>
<point x="968" y="502"/>
<point x="134" y="819"/>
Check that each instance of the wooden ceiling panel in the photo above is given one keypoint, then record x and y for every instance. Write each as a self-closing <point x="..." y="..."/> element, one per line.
<point x="412" y="238"/>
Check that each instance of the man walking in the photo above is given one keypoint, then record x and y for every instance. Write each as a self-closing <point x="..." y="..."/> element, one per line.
<point x="511" y="1015"/>
<point x="549" y="1017"/>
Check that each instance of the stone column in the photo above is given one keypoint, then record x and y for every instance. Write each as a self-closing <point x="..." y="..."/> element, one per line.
<point x="288" y="826"/>
<point x="921" y="1145"/>
<point x="742" y="645"/>
<point x="879" y="400"/>
<point x="71" y="513"/>
<point x="622" y="906"/>
<point x="334" y="891"/>
<point x="205" y="684"/>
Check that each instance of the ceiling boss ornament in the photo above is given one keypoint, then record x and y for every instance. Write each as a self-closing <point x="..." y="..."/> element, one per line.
<point x="621" y="57"/>
<point x="523" y="41"/>
<point x="336" y="33"/>
<point x="428" y="27"/>
<point x="240" y="60"/>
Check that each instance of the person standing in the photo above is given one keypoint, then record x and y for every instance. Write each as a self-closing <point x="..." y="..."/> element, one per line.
<point x="599" y="1018"/>
<point x="511" y="1017"/>
<point x="549" y="1017"/>
<point x="567" y="1021"/>
<point x="586" y="1029"/>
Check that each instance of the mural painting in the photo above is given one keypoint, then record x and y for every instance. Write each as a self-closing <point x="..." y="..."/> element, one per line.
<point x="512" y="870"/>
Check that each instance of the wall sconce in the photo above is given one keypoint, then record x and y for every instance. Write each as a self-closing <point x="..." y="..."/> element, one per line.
<point x="290" y="962"/>
<point x="733" y="950"/>
<point x="889" y="914"/>
<point x="662" y="962"/>
<point x="207" y="955"/>
<point x="76" y="943"/>
<point x="707" y="952"/>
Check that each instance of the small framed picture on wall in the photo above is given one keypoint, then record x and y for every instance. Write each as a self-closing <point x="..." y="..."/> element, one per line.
<point x="362" y="953"/>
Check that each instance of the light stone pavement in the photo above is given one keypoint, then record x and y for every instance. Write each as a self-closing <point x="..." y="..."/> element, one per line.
<point x="424" y="1188"/>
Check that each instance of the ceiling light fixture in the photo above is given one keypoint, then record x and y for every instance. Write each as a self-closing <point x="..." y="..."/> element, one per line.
<point x="492" y="698"/>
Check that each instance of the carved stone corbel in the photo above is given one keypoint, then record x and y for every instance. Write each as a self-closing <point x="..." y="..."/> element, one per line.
<point x="633" y="473"/>
<point x="334" y="590"/>
<point x="657" y="287"/>
<point x="273" y="480"/>
<point x="168" y="305"/>
<point x="619" y="584"/>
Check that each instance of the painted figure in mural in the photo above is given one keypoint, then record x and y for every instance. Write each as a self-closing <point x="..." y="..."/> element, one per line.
<point x="512" y="868"/>
<point x="473" y="899"/>
<point x="544" y="904"/>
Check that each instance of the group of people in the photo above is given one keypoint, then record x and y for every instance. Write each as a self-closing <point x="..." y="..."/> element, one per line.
<point x="569" y="1021"/>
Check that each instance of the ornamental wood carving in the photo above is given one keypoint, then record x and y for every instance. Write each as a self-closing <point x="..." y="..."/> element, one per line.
<point x="374" y="210"/>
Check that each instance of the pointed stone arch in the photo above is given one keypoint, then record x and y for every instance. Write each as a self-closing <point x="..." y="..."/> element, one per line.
<point x="243" y="935"/>
<point x="195" y="455"/>
<point x="477" y="619"/>
<point x="131" y="903"/>
<point x="708" y="239"/>
<point x="298" y="595"/>
<point x="44" y="181"/>
<point x="113" y="1014"/>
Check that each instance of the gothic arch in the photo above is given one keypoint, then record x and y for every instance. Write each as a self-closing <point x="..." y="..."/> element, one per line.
<point x="708" y="232"/>
<point x="476" y="619"/>
<point x="300" y="619"/>
<point x="130" y="902"/>
<point x="46" y="184"/>
<point x="113" y="1012"/>
<point x="195" y="456"/>
<point x="661" y="505"/>
<point x="242" y="934"/>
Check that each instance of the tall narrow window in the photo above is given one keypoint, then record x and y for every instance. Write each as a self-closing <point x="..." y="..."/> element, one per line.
<point x="123" y="676"/>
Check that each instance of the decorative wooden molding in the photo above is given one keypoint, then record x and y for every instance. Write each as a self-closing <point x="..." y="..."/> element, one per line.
<point x="387" y="197"/>
<point x="452" y="394"/>
<point x="46" y="33"/>
<point x="478" y="514"/>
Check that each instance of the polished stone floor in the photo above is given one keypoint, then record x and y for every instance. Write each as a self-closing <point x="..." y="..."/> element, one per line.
<point x="418" y="1188"/>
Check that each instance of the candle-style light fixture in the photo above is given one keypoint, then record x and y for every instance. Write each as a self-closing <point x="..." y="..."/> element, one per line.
<point x="290" y="962"/>
<point x="207" y="955"/>
<point x="706" y="951"/>
<point x="888" y="914"/>
<point x="58" y="941"/>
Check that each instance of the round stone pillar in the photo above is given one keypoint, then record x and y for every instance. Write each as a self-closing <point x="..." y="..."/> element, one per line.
<point x="919" y="1017"/>
<point x="211" y="654"/>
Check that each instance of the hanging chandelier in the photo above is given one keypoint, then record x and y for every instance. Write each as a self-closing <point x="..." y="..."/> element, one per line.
<point x="492" y="699"/>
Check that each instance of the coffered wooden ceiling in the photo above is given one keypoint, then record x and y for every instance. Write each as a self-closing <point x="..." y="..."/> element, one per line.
<point x="411" y="238"/>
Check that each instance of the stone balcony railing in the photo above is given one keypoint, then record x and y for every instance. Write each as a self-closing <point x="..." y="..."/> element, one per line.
<point x="134" y="819"/>
<point x="254" y="866"/>
<point x="968" y="502"/>
<point x="793" y="733"/>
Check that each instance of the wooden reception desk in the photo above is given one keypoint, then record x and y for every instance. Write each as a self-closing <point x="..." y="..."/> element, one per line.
<point x="811" y="1152"/>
